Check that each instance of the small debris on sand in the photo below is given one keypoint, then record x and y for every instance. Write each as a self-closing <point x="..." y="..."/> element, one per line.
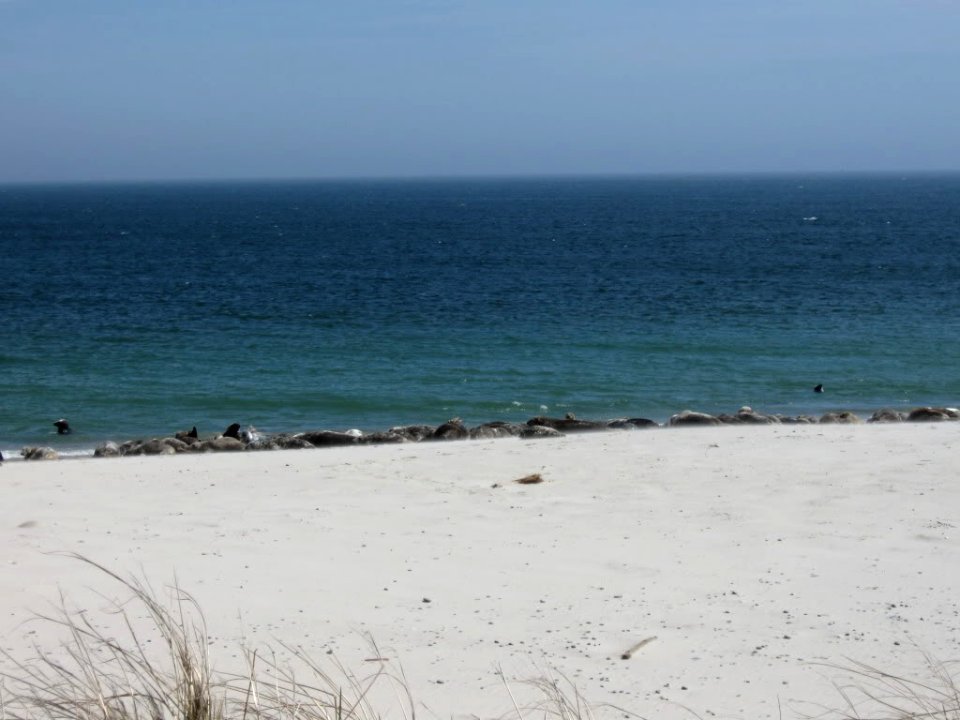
<point x="530" y="479"/>
<point x="629" y="653"/>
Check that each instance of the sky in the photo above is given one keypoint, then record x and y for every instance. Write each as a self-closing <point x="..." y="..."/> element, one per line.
<point x="94" y="90"/>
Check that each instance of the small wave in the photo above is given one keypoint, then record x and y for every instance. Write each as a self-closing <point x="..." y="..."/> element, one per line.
<point x="82" y="452"/>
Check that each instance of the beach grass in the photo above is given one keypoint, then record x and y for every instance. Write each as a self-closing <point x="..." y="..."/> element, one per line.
<point x="115" y="672"/>
<point x="98" y="673"/>
<point x="870" y="693"/>
<point x="101" y="674"/>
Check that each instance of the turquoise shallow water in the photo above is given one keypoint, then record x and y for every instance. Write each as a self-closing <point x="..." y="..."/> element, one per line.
<point x="142" y="309"/>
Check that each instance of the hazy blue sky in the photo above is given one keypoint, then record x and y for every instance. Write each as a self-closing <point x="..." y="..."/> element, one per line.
<point x="115" y="89"/>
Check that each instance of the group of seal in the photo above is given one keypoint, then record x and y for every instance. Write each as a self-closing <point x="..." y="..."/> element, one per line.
<point x="236" y="437"/>
<point x="450" y="429"/>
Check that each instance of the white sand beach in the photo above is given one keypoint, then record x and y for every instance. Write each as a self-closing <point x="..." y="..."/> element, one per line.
<point x="756" y="557"/>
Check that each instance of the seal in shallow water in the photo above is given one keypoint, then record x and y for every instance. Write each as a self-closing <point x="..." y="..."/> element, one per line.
<point x="63" y="427"/>
<point x="818" y="388"/>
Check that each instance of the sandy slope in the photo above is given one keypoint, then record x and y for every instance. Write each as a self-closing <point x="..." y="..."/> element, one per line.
<point x="750" y="553"/>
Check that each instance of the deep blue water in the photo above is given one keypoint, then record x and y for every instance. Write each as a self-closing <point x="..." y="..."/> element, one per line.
<point x="137" y="310"/>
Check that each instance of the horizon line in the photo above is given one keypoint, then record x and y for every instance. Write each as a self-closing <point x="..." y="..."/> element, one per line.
<point x="440" y="177"/>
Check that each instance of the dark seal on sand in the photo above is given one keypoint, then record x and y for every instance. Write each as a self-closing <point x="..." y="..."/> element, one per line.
<point x="842" y="418"/>
<point x="886" y="416"/>
<point x="928" y="414"/>
<point x="691" y="417"/>
<point x="452" y="429"/>
<point x="568" y="423"/>
<point x="190" y="437"/>
<point x="232" y="432"/>
<point x="63" y="427"/>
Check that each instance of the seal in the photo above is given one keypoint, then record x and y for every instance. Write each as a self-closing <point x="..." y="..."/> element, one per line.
<point x="818" y="388"/>
<point x="233" y="431"/>
<point x="63" y="427"/>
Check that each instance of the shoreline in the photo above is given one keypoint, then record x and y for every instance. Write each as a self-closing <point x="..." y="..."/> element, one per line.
<point x="255" y="440"/>
<point x="756" y="556"/>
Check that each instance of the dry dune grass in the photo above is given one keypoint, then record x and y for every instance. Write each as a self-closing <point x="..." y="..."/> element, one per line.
<point x="870" y="693"/>
<point x="97" y="674"/>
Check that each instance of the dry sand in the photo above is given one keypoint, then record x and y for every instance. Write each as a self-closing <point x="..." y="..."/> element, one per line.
<point x="751" y="554"/>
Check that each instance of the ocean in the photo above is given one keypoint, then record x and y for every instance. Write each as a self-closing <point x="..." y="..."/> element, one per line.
<point x="137" y="310"/>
